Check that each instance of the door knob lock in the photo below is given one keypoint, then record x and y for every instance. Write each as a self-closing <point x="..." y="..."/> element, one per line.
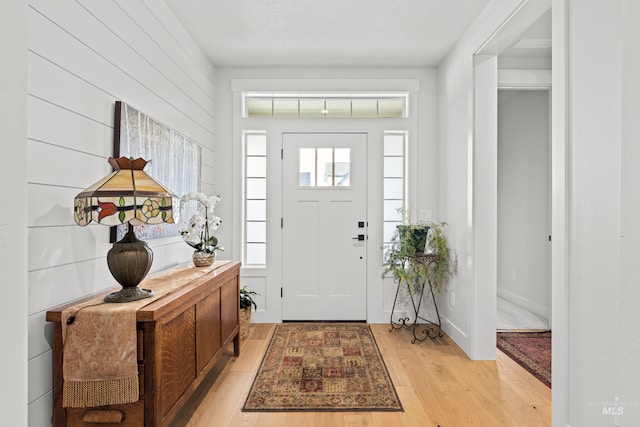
<point x="359" y="237"/>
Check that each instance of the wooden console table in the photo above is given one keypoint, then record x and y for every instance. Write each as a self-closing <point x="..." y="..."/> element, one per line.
<point x="179" y="338"/>
<point x="431" y="329"/>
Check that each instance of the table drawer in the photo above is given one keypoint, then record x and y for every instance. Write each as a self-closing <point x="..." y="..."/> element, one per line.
<point x="129" y="415"/>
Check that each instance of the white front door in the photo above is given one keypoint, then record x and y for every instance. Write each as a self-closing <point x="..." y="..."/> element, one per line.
<point x="324" y="226"/>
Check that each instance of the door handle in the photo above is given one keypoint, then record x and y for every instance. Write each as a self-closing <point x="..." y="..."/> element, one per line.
<point x="359" y="237"/>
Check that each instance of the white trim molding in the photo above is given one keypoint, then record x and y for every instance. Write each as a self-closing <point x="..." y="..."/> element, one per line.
<point x="518" y="79"/>
<point x="326" y="85"/>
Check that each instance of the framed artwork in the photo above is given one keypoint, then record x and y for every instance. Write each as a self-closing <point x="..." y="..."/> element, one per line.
<point x="175" y="161"/>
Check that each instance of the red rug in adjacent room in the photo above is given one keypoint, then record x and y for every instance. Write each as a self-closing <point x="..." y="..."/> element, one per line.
<point x="531" y="350"/>
<point x="322" y="367"/>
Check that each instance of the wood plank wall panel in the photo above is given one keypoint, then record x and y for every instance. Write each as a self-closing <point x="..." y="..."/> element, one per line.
<point x="50" y="82"/>
<point x="170" y="43"/>
<point x="83" y="56"/>
<point x="119" y="80"/>
<point x="73" y="244"/>
<point x="183" y="44"/>
<point x="183" y="41"/>
<point x="183" y="89"/>
<point x="50" y="205"/>
<point x="74" y="164"/>
<point x="57" y="126"/>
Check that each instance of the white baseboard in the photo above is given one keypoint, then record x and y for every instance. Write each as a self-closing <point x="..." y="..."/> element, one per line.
<point x="457" y="335"/>
<point x="523" y="302"/>
<point x="385" y="316"/>
<point x="263" y="316"/>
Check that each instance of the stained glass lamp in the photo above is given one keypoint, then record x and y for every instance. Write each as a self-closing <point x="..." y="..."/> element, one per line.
<point x="126" y="196"/>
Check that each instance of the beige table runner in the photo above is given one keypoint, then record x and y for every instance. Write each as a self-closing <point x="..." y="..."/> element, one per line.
<point x="100" y="365"/>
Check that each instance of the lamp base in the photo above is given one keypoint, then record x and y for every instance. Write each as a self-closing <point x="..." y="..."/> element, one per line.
<point x="129" y="261"/>
<point x="128" y="295"/>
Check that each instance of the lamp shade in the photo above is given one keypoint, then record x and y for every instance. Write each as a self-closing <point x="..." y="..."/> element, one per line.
<point x="126" y="194"/>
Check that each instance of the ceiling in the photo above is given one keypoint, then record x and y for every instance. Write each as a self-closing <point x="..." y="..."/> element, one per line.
<point x="326" y="33"/>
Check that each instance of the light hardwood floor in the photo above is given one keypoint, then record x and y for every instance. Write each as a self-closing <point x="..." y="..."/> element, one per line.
<point x="437" y="383"/>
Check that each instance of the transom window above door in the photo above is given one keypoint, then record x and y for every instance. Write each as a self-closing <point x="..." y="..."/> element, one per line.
<point x="325" y="167"/>
<point x="325" y="105"/>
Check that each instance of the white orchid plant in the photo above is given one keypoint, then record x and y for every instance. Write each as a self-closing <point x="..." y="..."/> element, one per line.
<point x="199" y="233"/>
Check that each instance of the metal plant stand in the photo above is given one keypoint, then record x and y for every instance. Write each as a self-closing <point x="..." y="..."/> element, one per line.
<point x="429" y="329"/>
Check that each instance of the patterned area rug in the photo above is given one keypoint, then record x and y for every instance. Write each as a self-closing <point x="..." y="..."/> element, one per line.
<point x="322" y="367"/>
<point x="532" y="351"/>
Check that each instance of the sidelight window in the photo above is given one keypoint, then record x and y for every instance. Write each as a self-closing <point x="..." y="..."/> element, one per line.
<point x="394" y="182"/>
<point x="255" y="199"/>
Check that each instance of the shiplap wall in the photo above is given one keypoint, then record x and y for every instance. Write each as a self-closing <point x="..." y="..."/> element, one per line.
<point x="84" y="55"/>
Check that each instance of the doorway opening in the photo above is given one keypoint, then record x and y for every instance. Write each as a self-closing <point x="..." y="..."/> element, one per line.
<point x="523" y="244"/>
<point x="498" y="63"/>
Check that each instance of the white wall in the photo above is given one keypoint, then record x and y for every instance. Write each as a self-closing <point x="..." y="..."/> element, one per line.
<point x="423" y="162"/>
<point x="523" y="199"/>
<point x="604" y="238"/>
<point x="82" y="57"/>
<point x="456" y="158"/>
<point x="595" y="201"/>
<point x="13" y="220"/>
<point x="628" y="332"/>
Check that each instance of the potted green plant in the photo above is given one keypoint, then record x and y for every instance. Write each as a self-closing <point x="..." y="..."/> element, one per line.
<point x="447" y="265"/>
<point x="412" y="238"/>
<point x="246" y="304"/>
<point x="409" y="240"/>
<point x="404" y="256"/>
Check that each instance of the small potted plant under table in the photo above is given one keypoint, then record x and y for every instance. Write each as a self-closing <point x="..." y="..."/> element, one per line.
<point x="246" y="304"/>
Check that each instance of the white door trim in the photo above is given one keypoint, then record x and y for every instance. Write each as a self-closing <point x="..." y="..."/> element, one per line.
<point x="268" y="279"/>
